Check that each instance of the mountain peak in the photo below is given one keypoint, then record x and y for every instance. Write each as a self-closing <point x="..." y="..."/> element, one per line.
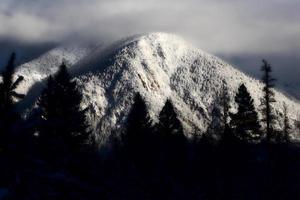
<point x="160" y="66"/>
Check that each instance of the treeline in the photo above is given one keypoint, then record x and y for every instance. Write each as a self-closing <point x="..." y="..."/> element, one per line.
<point x="52" y="154"/>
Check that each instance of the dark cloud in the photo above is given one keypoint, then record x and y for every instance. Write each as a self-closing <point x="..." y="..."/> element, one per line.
<point x="242" y="31"/>
<point x="232" y="26"/>
<point x="286" y="68"/>
<point x="25" y="52"/>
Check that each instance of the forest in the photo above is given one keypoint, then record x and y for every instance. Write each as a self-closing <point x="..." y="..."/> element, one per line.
<point x="53" y="154"/>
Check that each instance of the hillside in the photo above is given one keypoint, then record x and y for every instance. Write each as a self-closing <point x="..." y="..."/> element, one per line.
<point x="157" y="65"/>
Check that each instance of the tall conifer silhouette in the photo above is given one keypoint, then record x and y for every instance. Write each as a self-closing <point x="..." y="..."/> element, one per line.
<point x="138" y="129"/>
<point x="245" y="122"/>
<point x="268" y="99"/>
<point x="173" y="140"/>
<point x="8" y="115"/>
<point x="63" y="120"/>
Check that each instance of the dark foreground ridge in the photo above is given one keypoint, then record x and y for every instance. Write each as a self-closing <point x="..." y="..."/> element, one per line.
<point x="226" y="171"/>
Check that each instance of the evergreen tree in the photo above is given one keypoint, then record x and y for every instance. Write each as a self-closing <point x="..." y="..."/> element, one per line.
<point x="297" y="123"/>
<point x="216" y="128"/>
<point x="286" y="125"/>
<point x="10" y="125"/>
<point x="8" y="115"/>
<point x="63" y="121"/>
<point x="225" y="103"/>
<point x="137" y="138"/>
<point x="168" y="120"/>
<point x="219" y="114"/>
<point x="268" y="98"/>
<point x="173" y="141"/>
<point x="245" y="122"/>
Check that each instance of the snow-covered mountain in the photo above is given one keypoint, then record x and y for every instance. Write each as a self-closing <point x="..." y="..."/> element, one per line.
<point x="157" y="65"/>
<point x="40" y="68"/>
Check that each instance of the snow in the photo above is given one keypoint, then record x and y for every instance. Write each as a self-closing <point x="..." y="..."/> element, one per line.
<point x="158" y="66"/>
<point x="47" y="64"/>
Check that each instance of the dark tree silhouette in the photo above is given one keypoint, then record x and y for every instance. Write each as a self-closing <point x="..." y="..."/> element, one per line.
<point x="268" y="99"/>
<point x="168" y="120"/>
<point x="63" y="122"/>
<point x="173" y="141"/>
<point x="8" y="115"/>
<point x="10" y="125"/>
<point x="138" y="137"/>
<point x="245" y="122"/>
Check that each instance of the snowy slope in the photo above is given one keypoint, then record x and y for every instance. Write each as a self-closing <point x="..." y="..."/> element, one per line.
<point x="47" y="64"/>
<point x="159" y="66"/>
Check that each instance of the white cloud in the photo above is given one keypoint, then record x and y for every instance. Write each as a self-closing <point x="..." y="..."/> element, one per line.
<point x="26" y="28"/>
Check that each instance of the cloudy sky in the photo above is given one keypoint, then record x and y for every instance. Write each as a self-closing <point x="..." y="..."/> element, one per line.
<point x="240" y="31"/>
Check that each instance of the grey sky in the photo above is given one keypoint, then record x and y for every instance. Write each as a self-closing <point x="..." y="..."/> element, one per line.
<point x="235" y="29"/>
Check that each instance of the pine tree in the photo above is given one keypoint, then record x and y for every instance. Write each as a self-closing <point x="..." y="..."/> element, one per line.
<point x="216" y="127"/>
<point x="297" y="123"/>
<point x="219" y="129"/>
<point x="48" y="129"/>
<point x="245" y="122"/>
<point x="173" y="141"/>
<point x="168" y="120"/>
<point x="8" y="115"/>
<point x="138" y="128"/>
<point x="225" y="103"/>
<point x="286" y="125"/>
<point x="63" y="121"/>
<point x="219" y="116"/>
<point x="268" y="99"/>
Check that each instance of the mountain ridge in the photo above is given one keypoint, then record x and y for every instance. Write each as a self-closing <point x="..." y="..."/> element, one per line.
<point x="159" y="66"/>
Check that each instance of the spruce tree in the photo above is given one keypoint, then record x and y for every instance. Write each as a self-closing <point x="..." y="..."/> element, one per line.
<point x="63" y="120"/>
<point x="268" y="99"/>
<point x="245" y="122"/>
<point x="8" y="115"/>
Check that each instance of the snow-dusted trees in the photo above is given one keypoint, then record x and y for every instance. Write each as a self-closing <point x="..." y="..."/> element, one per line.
<point x="286" y="131"/>
<point x="63" y="121"/>
<point x="220" y="114"/>
<point x="225" y="104"/>
<point x="268" y="99"/>
<point x="216" y="128"/>
<point x="245" y="122"/>
<point x="8" y="115"/>
<point x="297" y="123"/>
